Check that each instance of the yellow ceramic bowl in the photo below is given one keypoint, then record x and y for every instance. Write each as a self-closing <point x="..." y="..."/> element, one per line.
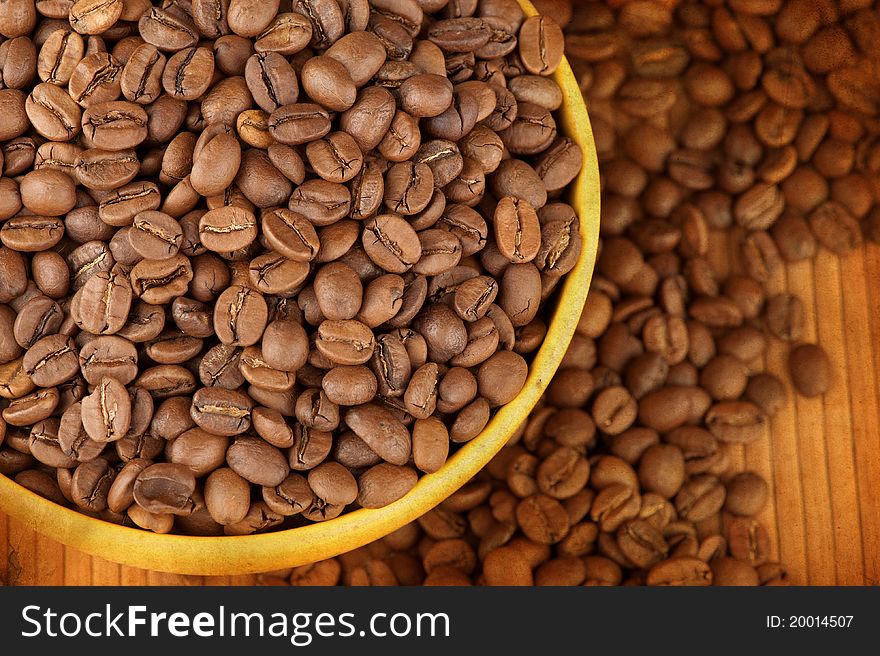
<point x="256" y="553"/>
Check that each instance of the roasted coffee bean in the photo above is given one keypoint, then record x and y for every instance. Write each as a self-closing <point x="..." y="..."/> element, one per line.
<point x="155" y="235"/>
<point x="542" y="519"/>
<point x="614" y="410"/>
<point x="540" y="45"/>
<point x="116" y="125"/>
<point x="46" y="192"/>
<point x="215" y="165"/>
<point x="345" y="342"/>
<point x="165" y="488"/>
<point x="767" y="392"/>
<point x="391" y="243"/>
<point x="38" y="318"/>
<point x="91" y="484"/>
<point x="285" y="345"/>
<point x="59" y="55"/>
<point x="31" y="408"/>
<point x="227" y="496"/>
<point x="227" y="228"/>
<point x="681" y="570"/>
<point x="746" y="494"/>
<point x="310" y="448"/>
<point x="240" y="316"/>
<point x="810" y="369"/>
<point x="328" y="83"/>
<point x="748" y="541"/>
<point x="290" y="234"/>
<point x="106" y="412"/>
<point x="109" y="356"/>
<point x="382" y="431"/>
<point x="294" y="124"/>
<point x="835" y="228"/>
<point x="257" y="461"/>
<point x="141" y="80"/>
<point x="383" y="484"/>
<point x="517" y="230"/>
<point x="271" y="426"/>
<point x="785" y="317"/>
<point x="120" y="496"/>
<point x="95" y="79"/>
<point x="52" y="112"/>
<point x="336" y="157"/>
<point x="167" y="31"/>
<point x="221" y="411"/>
<point x="272" y="273"/>
<point x="51" y="360"/>
<point x="105" y="170"/>
<point x="120" y="206"/>
<point x="199" y="450"/>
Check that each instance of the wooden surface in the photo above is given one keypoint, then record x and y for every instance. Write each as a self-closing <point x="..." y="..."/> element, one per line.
<point x="821" y="456"/>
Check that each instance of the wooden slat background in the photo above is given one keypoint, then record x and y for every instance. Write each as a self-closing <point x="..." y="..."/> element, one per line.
<point x="821" y="456"/>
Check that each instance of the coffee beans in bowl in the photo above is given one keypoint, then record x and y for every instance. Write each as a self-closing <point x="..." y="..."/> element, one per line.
<point x="267" y="264"/>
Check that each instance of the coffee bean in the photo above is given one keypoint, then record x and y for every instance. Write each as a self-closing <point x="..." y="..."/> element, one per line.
<point x="391" y="243"/>
<point x="785" y="317"/>
<point x="221" y="411"/>
<point x="540" y="45"/>
<point x="294" y="124"/>
<point x="53" y="113"/>
<point x="336" y="157"/>
<point x="227" y="496"/>
<point x="141" y="80"/>
<point x="835" y="228"/>
<point x="746" y="494"/>
<point x="810" y="369"/>
<point x="120" y="496"/>
<point x="328" y="83"/>
<point x="517" y="231"/>
<point x="259" y="518"/>
<point x="116" y="125"/>
<point x="748" y="541"/>
<point x="767" y="392"/>
<point x="106" y="412"/>
<point x="91" y="484"/>
<point x="199" y="450"/>
<point x="384" y="433"/>
<point x="109" y="356"/>
<point x="290" y="234"/>
<point x="240" y="316"/>
<point x="257" y="461"/>
<point x="31" y="408"/>
<point x="383" y="484"/>
<point x="216" y="165"/>
<point x="47" y="192"/>
<point x="349" y="385"/>
<point x="95" y="79"/>
<point x="680" y="571"/>
<point x="59" y="55"/>
<point x="167" y="31"/>
<point x="542" y="519"/>
<point x="291" y="497"/>
<point x="105" y="170"/>
<point x="165" y="488"/>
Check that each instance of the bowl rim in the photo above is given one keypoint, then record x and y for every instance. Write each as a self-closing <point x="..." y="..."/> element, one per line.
<point x="228" y="555"/>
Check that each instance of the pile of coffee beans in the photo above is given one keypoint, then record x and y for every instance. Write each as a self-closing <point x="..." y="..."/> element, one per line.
<point x="264" y="261"/>
<point x="752" y="119"/>
<point x="586" y="493"/>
